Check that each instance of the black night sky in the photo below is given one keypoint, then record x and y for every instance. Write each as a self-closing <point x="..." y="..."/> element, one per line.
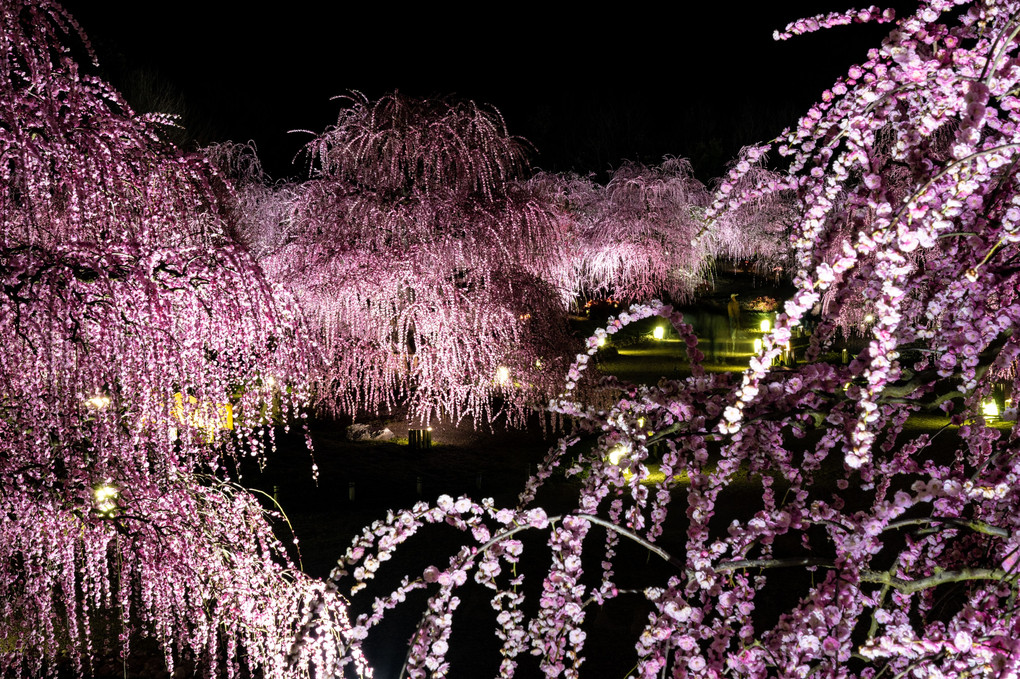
<point x="587" y="87"/>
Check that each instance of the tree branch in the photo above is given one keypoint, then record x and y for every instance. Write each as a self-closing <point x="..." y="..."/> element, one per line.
<point x="939" y="578"/>
<point x="976" y="526"/>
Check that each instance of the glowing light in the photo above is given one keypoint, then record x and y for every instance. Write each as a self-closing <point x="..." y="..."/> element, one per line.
<point x="105" y="496"/>
<point x="98" y="402"/>
<point x="659" y="332"/>
<point x="765" y="325"/>
<point x="502" y="375"/>
<point x="869" y="319"/>
<point x="990" y="409"/>
<point x="602" y="341"/>
<point x="757" y="345"/>
<point x="640" y="422"/>
<point x="617" y="453"/>
<point x="204" y="416"/>
<point x="271" y="381"/>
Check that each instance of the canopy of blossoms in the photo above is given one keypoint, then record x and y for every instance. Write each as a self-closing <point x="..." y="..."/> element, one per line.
<point x="429" y="275"/>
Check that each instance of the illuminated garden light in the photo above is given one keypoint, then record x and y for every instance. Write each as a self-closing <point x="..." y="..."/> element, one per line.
<point x="659" y="332"/>
<point x="757" y="345"/>
<point x="990" y="409"/>
<point x="617" y="453"/>
<point x="105" y="496"/>
<point x="502" y="375"/>
<point x="98" y="402"/>
<point x="205" y="416"/>
<point x="869" y="319"/>
<point x="765" y="325"/>
<point x="601" y="341"/>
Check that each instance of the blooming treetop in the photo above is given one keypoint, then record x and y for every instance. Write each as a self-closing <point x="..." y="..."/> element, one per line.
<point x="645" y="232"/>
<point x="634" y="236"/>
<point x="420" y="263"/>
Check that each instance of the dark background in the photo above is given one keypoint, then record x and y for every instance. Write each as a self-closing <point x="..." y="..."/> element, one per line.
<point x="588" y="87"/>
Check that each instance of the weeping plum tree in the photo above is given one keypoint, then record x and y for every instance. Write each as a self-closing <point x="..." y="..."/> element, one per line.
<point x="633" y="237"/>
<point x="638" y="236"/>
<point x="141" y="351"/>
<point x="809" y="522"/>
<point x="429" y="275"/>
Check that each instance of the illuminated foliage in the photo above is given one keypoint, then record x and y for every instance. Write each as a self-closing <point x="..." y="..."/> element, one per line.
<point x="420" y="263"/>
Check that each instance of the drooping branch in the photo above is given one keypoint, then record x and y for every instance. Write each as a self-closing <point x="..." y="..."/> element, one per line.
<point x="939" y="578"/>
<point x="976" y="526"/>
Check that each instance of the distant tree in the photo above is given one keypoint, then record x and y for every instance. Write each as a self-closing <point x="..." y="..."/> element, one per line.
<point x="429" y="275"/>
<point x="820" y="530"/>
<point x="142" y="351"/>
<point x="646" y="232"/>
<point x="633" y="237"/>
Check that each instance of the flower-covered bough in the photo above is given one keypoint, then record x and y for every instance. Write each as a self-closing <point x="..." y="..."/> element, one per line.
<point x="824" y="520"/>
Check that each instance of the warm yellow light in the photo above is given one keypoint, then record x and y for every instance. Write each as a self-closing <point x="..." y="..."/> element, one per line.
<point x="207" y="417"/>
<point x="98" y="402"/>
<point x="617" y="453"/>
<point x="659" y="332"/>
<point x="765" y="325"/>
<point x="869" y="319"/>
<point x="502" y="375"/>
<point x="757" y="345"/>
<point x="602" y="341"/>
<point x="271" y="381"/>
<point x="640" y="422"/>
<point x="106" y="496"/>
<point x="990" y="408"/>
